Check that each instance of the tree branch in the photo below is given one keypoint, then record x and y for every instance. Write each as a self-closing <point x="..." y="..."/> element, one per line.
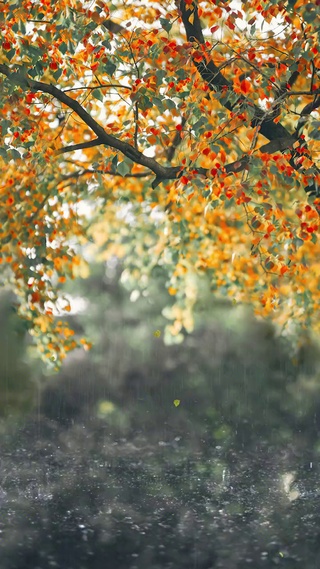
<point x="90" y="171"/>
<point x="307" y="110"/>
<point x="306" y="93"/>
<point x="279" y="144"/>
<point x="80" y="146"/>
<point x="212" y="76"/>
<point x="231" y="168"/>
<point x="20" y="77"/>
<point x="101" y="86"/>
<point x="210" y="73"/>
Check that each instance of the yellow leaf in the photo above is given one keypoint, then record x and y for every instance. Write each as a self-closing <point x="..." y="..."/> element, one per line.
<point x="105" y="407"/>
<point x="176" y="402"/>
<point x="81" y="269"/>
<point x="172" y="290"/>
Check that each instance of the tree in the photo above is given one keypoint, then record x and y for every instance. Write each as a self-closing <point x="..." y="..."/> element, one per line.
<point x="190" y="129"/>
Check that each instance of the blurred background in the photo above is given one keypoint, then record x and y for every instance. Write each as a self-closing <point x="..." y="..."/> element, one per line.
<point x="140" y="455"/>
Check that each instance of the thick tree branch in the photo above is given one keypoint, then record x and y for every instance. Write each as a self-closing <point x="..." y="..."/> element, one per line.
<point x="231" y="168"/>
<point x="21" y="78"/>
<point x="279" y="144"/>
<point x="210" y="73"/>
<point x="307" y="110"/>
<point x="298" y="93"/>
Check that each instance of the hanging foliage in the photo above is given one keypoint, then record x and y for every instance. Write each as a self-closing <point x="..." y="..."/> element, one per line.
<point x="181" y="135"/>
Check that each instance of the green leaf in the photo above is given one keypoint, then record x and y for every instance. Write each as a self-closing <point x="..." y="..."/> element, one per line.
<point x="10" y="54"/>
<point x="114" y="161"/>
<point x="57" y="74"/>
<point x="110" y="68"/>
<point x="63" y="48"/>
<point x="202" y="121"/>
<point x="28" y="144"/>
<point x="14" y="154"/>
<point x="107" y="43"/>
<point x="315" y="133"/>
<point x="291" y="4"/>
<point x="34" y="53"/>
<point x="298" y="242"/>
<point x="159" y="104"/>
<point x="123" y="168"/>
<point x="170" y="104"/>
<point x="166" y="24"/>
<point x="215" y="148"/>
<point x="97" y="94"/>
<point x="145" y="103"/>
<point x="3" y="153"/>
<point x="5" y="125"/>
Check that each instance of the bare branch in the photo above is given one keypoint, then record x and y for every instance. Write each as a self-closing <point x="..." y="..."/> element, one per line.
<point x="279" y="144"/>
<point x="90" y="171"/>
<point x="231" y="168"/>
<point x="307" y="110"/>
<point x="101" y="86"/>
<point x="310" y="93"/>
<point x="80" y="146"/>
<point x="136" y="124"/>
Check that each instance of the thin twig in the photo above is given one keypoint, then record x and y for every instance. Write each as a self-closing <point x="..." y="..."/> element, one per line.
<point x="80" y="146"/>
<point x="136" y="124"/>
<point x="90" y="171"/>
<point x="101" y="86"/>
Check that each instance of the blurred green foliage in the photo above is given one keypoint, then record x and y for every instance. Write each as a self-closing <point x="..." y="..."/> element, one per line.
<point x="17" y="386"/>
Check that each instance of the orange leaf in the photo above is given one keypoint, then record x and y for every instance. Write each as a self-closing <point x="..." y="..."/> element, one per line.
<point x="245" y="86"/>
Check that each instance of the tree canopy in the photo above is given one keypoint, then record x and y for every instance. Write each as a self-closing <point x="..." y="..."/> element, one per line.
<point x="180" y="136"/>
